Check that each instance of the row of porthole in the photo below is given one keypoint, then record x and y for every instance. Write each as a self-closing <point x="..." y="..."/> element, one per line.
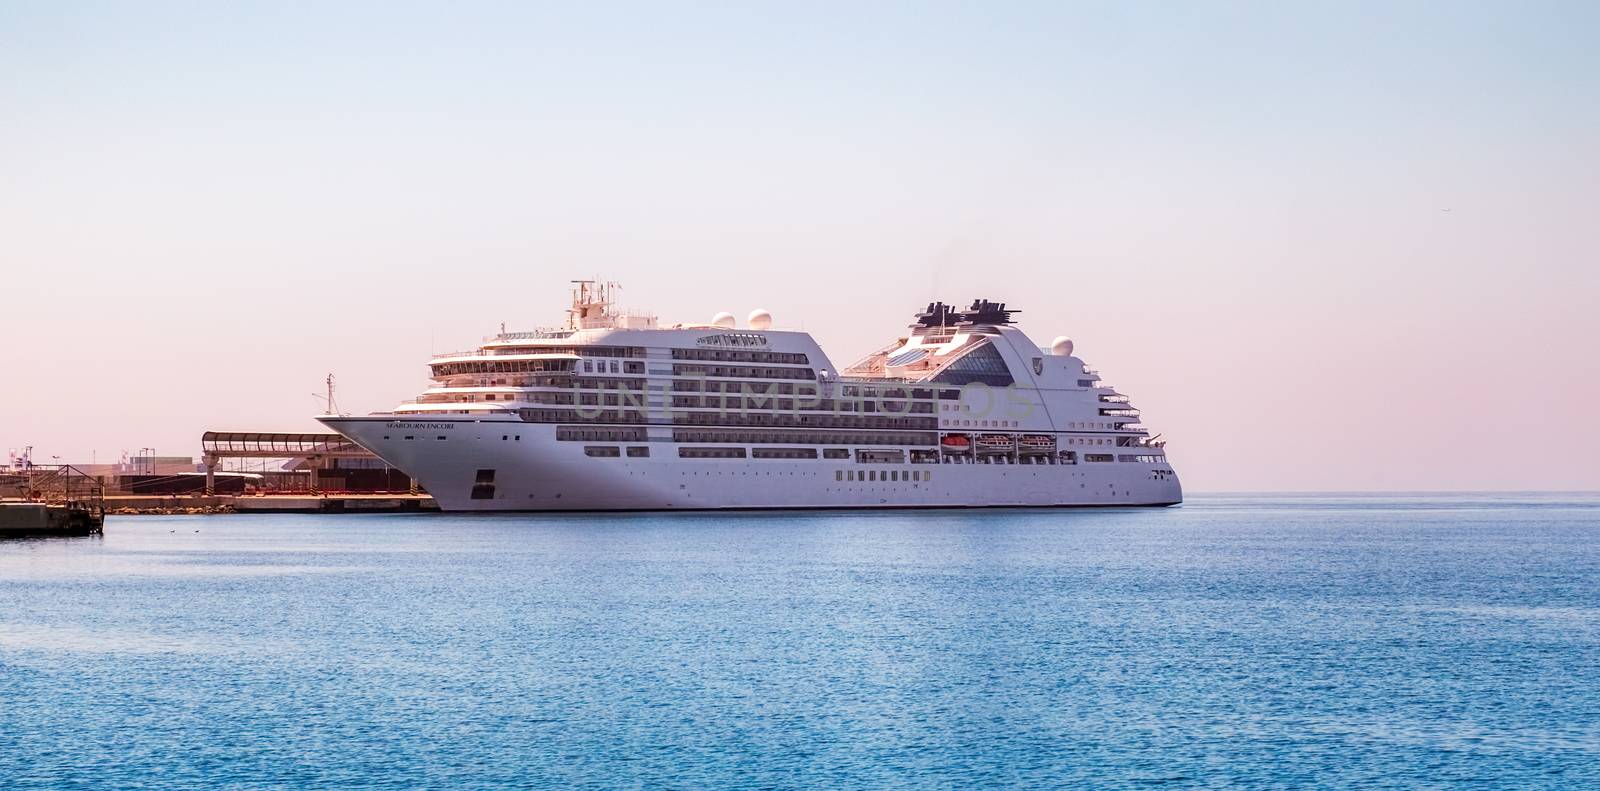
<point x="891" y="476"/>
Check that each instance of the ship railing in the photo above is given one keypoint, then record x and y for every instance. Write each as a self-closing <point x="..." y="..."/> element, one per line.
<point x="541" y="333"/>
<point x="483" y="353"/>
<point x="868" y="380"/>
<point x="61" y="483"/>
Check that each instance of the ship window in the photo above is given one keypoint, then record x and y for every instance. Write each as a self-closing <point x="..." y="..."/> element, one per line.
<point x="638" y="452"/>
<point x="881" y="456"/>
<point x="408" y="436"/>
<point x="838" y="475"/>
<point x="485" y="476"/>
<point x="784" y="453"/>
<point x="980" y="364"/>
<point x="441" y="436"/>
<point x="835" y="453"/>
<point x="711" y="453"/>
<point x="602" y="451"/>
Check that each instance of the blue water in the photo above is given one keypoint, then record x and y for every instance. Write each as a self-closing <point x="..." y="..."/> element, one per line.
<point x="1335" y="641"/>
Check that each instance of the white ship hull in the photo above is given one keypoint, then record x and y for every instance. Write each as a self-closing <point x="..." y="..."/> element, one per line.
<point x="532" y="471"/>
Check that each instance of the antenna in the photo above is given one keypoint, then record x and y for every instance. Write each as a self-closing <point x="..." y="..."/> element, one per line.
<point x="591" y="304"/>
<point x="331" y="406"/>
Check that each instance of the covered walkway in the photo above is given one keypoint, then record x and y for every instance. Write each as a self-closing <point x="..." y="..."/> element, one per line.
<point x="309" y="451"/>
<point x="267" y="445"/>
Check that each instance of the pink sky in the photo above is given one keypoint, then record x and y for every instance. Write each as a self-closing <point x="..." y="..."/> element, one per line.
<point x="1320" y="254"/>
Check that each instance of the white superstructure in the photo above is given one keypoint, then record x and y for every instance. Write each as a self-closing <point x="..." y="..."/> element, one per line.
<point x="616" y="412"/>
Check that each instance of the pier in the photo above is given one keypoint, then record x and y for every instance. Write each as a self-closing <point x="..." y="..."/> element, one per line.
<point x="294" y="503"/>
<point x="20" y="519"/>
<point x="50" y="500"/>
<point x="67" y="500"/>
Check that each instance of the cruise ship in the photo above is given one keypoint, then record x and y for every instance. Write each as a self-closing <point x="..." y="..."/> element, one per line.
<point x="615" y="411"/>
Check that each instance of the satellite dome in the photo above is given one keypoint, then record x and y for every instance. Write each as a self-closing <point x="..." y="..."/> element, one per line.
<point x="724" y="320"/>
<point x="1061" y="346"/>
<point x="760" y="320"/>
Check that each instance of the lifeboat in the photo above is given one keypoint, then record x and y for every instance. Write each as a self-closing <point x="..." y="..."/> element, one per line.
<point x="955" y="443"/>
<point x="1036" y="443"/>
<point x="995" y="443"/>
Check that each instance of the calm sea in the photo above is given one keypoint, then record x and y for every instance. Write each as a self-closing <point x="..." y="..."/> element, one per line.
<point x="1260" y="640"/>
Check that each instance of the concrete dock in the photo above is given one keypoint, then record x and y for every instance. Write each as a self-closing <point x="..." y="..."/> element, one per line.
<point x="270" y="504"/>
